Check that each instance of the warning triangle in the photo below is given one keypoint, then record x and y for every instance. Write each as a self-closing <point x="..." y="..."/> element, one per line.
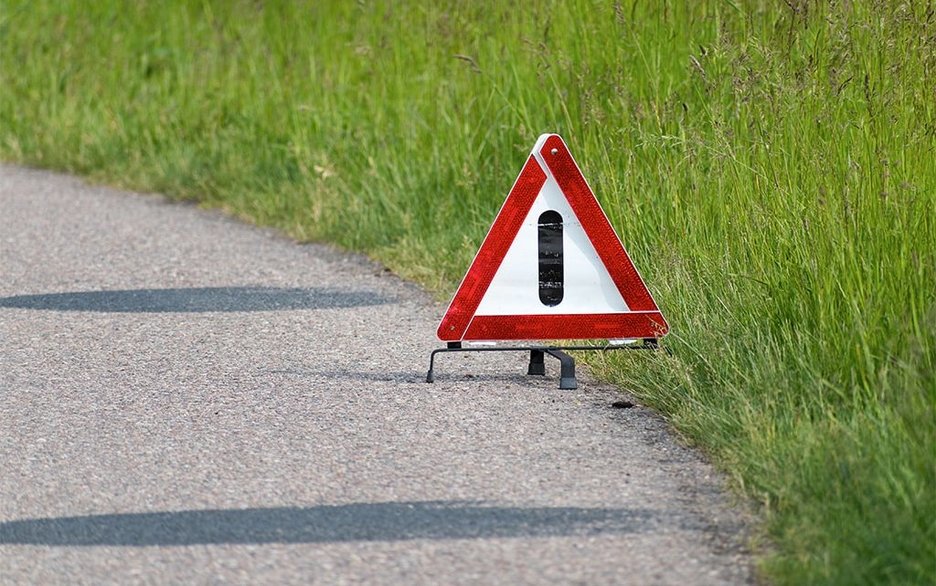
<point x="551" y="267"/>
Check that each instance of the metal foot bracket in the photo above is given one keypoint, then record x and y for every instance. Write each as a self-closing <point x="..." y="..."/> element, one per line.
<point x="537" y="365"/>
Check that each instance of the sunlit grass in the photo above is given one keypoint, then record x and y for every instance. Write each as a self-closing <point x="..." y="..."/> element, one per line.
<point x="770" y="167"/>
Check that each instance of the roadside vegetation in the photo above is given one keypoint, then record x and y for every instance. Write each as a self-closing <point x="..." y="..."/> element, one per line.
<point x="770" y="166"/>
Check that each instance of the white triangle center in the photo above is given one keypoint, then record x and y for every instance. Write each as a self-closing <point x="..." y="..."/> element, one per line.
<point x="587" y="286"/>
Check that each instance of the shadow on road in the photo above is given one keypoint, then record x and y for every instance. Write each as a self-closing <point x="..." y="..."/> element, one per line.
<point x="197" y="300"/>
<point x="324" y="524"/>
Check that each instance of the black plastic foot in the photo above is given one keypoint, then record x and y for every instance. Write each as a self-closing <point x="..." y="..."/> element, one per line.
<point x="537" y="364"/>
<point x="567" y="380"/>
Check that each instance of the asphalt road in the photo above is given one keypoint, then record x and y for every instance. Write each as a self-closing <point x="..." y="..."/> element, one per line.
<point x="187" y="399"/>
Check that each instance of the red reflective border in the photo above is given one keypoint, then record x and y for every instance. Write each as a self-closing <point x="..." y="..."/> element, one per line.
<point x="460" y="323"/>
<point x="596" y="225"/>
<point x="492" y="252"/>
<point x="567" y="327"/>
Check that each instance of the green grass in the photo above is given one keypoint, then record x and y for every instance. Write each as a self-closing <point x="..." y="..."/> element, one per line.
<point x="770" y="166"/>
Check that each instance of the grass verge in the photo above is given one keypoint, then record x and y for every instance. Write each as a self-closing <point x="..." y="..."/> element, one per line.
<point x="770" y="167"/>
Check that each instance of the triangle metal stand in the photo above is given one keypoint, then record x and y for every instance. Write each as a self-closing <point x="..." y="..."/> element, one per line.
<point x="537" y="366"/>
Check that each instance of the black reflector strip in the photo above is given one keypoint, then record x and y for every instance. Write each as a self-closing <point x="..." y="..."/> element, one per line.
<point x="550" y="258"/>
